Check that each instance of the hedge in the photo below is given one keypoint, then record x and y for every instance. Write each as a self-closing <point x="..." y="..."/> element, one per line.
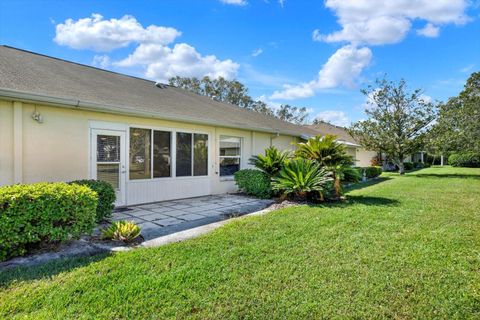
<point x="106" y="196"/>
<point x="372" y="172"/>
<point x="254" y="182"/>
<point x="33" y="214"/>
<point x="465" y="159"/>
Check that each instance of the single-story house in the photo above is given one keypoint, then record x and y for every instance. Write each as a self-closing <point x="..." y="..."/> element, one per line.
<point x="61" y="121"/>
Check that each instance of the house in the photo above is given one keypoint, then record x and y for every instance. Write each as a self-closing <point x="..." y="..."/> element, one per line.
<point x="61" y="121"/>
<point x="361" y="156"/>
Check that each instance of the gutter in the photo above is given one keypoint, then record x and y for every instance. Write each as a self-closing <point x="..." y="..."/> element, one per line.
<point x="96" y="107"/>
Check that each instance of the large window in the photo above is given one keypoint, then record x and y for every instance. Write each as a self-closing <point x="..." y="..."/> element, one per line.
<point x="162" y="154"/>
<point x="192" y="154"/>
<point x="184" y="154"/>
<point x="140" y="153"/>
<point x="230" y="155"/>
<point x="141" y="150"/>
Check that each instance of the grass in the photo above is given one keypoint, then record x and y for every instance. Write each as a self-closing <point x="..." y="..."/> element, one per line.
<point x="406" y="247"/>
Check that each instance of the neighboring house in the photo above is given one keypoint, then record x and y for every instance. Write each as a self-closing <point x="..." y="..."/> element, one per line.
<point x="361" y="156"/>
<point x="61" y="121"/>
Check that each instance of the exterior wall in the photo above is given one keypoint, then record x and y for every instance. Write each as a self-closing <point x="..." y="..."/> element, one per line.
<point x="6" y="142"/>
<point x="364" y="157"/>
<point x="59" y="150"/>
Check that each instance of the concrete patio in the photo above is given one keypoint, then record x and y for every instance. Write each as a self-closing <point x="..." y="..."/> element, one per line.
<point x="162" y="218"/>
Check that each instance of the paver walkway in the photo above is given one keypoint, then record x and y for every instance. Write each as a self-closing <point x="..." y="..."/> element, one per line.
<point x="162" y="218"/>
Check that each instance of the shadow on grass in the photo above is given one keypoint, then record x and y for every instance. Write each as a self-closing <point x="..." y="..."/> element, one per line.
<point x="361" y="185"/>
<point x="47" y="270"/>
<point x="353" y="200"/>
<point x="447" y="175"/>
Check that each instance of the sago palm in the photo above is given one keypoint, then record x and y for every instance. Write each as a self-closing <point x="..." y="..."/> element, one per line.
<point x="328" y="153"/>
<point x="271" y="162"/>
<point x="300" y="176"/>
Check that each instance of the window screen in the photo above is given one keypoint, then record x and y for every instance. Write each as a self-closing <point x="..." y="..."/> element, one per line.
<point x="140" y="150"/>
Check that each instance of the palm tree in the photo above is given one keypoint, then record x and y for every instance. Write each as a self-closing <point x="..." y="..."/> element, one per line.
<point x="272" y="162"/>
<point x="328" y="153"/>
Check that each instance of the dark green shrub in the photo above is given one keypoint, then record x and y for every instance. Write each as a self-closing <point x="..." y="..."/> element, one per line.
<point x="254" y="182"/>
<point x="31" y="214"/>
<point x="351" y="174"/>
<point x="420" y="165"/>
<point x="372" y="172"/>
<point x="465" y="159"/>
<point x="106" y="196"/>
<point x="408" y="165"/>
<point x="300" y="177"/>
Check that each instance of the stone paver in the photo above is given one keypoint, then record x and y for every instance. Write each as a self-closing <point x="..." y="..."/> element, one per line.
<point x="162" y="218"/>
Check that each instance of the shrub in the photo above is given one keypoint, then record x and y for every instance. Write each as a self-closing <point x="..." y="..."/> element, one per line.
<point x="299" y="177"/>
<point x="254" y="182"/>
<point x="271" y="162"/>
<point x="465" y="159"/>
<point x="408" y="165"/>
<point x="125" y="231"/>
<point x="106" y="196"/>
<point x="372" y="172"/>
<point x="32" y="214"/>
<point x="351" y="174"/>
<point x="420" y="165"/>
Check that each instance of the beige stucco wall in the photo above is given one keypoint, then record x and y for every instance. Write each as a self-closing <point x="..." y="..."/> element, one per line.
<point x="59" y="148"/>
<point x="364" y="157"/>
<point x="6" y="142"/>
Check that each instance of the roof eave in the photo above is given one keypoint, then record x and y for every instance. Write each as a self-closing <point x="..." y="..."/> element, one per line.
<point x="92" y="106"/>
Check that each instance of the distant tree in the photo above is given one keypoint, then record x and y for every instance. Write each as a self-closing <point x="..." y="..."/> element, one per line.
<point x="458" y="125"/>
<point x="292" y="114"/>
<point x="234" y="92"/>
<point x="398" y="120"/>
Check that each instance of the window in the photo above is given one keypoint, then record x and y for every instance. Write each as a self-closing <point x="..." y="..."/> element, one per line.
<point x="140" y="150"/>
<point x="108" y="159"/>
<point x="230" y="155"/>
<point x="200" y="155"/>
<point x="151" y="154"/>
<point x="184" y="154"/>
<point x="161" y="154"/>
<point x="192" y="154"/>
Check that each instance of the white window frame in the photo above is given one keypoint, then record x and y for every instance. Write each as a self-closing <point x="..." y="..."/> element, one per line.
<point x="220" y="157"/>
<point x="173" y="152"/>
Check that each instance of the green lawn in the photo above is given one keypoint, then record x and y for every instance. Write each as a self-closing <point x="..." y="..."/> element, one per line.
<point x="406" y="247"/>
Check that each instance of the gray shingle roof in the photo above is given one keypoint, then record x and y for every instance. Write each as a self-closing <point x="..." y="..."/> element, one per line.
<point x="35" y="74"/>
<point x="327" y="128"/>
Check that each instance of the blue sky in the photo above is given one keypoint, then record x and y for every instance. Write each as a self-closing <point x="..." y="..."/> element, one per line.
<point x="316" y="54"/>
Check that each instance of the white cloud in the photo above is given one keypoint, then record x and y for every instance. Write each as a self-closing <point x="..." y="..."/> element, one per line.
<point x="377" y="22"/>
<point x="281" y="3"/>
<point x="154" y="52"/>
<point x="101" y="61"/>
<point x="335" y="117"/>
<point x="235" y="2"/>
<point x="429" y="31"/>
<point x="102" y="35"/>
<point x="341" y="69"/>
<point x="257" y="52"/>
<point x="162" y="62"/>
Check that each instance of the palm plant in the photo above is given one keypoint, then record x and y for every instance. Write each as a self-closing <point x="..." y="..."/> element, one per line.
<point x="299" y="176"/>
<point x="330" y="154"/>
<point x="272" y="162"/>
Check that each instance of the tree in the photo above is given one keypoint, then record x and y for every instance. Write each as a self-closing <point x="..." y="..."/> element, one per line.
<point x="292" y="114"/>
<point x="398" y="120"/>
<point x="234" y="92"/>
<point x="458" y="124"/>
<point x="328" y="153"/>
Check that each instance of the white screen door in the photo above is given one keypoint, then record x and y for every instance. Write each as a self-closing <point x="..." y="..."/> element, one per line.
<point x="108" y="160"/>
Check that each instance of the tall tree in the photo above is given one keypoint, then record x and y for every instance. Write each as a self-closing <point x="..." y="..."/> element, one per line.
<point x="292" y="114"/>
<point x="234" y="92"/>
<point x="397" y="120"/>
<point x="458" y="124"/>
